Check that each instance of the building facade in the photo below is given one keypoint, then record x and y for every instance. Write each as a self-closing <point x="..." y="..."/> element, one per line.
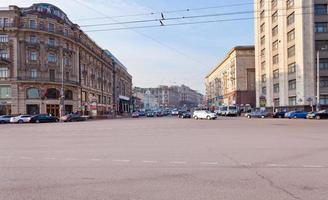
<point x="232" y="81"/>
<point x="288" y="35"/>
<point x="49" y="65"/>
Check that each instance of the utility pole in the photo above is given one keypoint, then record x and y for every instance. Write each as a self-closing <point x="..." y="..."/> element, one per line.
<point x="318" y="81"/>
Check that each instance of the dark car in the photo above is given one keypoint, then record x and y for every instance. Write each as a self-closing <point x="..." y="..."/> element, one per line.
<point x="5" y="119"/>
<point x="323" y="114"/>
<point x="142" y="113"/>
<point x="150" y="114"/>
<point x="184" y="114"/>
<point x="43" y="118"/>
<point x="159" y="114"/>
<point x="280" y="114"/>
<point x="73" y="118"/>
<point x="258" y="114"/>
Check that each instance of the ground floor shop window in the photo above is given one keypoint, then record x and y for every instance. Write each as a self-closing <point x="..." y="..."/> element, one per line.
<point x="5" y="109"/>
<point x="53" y="109"/>
<point x="68" y="109"/>
<point x="32" y="109"/>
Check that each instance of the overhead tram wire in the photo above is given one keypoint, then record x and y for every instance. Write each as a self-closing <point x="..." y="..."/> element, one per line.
<point x="184" y="17"/>
<point x="146" y="36"/>
<point x="186" y="23"/>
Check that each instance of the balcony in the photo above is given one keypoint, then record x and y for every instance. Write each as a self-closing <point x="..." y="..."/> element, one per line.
<point x="46" y="79"/>
<point x="5" y="60"/>
<point x="52" y="47"/>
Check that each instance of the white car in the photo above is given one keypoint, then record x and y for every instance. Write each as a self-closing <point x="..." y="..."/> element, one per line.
<point x="21" y="119"/>
<point x="204" y="114"/>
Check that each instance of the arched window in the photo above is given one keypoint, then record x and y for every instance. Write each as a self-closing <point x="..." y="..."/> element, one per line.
<point x="32" y="93"/>
<point x="52" y="93"/>
<point x="68" y="95"/>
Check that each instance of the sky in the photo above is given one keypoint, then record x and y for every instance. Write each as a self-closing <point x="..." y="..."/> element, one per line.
<point x="164" y="55"/>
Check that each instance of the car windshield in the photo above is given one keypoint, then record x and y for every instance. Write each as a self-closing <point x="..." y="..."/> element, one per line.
<point x="232" y="107"/>
<point x="224" y="108"/>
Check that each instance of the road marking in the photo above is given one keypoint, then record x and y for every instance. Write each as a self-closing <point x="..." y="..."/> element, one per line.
<point x="149" y="161"/>
<point x="124" y="161"/>
<point x="26" y="158"/>
<point x="313" y="166"/>
<point x="246" y="164"/>
<point x="209" y="163"/>
<point x="179" y="162"/>
<point x="70" y="159"/>
<point x="276" y="165"/>
<point x="96" y="159"/>
<point x="50" y="158"/>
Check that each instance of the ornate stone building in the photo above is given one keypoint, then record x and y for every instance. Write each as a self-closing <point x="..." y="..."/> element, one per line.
<point x="47" y="61"/>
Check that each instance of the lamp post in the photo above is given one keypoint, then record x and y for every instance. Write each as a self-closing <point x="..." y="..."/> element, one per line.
<point x="318" y="81"/>
<point x="62" y="95"/>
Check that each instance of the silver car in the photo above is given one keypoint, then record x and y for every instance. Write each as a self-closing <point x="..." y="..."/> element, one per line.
<point x="21" y="119"/>
<point x="5" y="119"/>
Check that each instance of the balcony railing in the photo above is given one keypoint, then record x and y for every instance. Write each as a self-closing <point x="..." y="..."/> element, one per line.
<point x="47" y="79"/>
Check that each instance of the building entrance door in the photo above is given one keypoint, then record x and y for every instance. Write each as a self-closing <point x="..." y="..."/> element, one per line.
<point x="53" y="109"/>
<point x="32" y="109"/>
<point x="5" y="109"/>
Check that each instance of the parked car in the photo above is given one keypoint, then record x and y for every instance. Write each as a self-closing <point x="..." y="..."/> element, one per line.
<point x="184" y="114"/>
<point x="322" y="114"/>
<point x="221" y="111"/>
<point x="159" y="114"/>
<point x="174" y="112"/>
<point x="5" y="119"/>
<point x="298" y="114"/>
<point x="204" y="114"/>
<point x="257" y="114"/>
<point x="280" y="114"/>
<point x="142" y="113"/>
<point x="150" y="114"/>
<point x="21" y="119"/>
<point x="73" y="118"/>
<point x="231" y="111"/>
<point x="135" y="114"/>
<point x="43" y="118"/>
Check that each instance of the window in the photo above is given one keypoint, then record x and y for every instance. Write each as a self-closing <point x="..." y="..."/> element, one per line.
<point x="66" y="61"/>
<point x="34" y="55"/>
<point x="261" y="3"/>
<point x="52" y="93"/>
<point x="51" y="42"/>
<point x="263" y="78"/>
<point x="292" y="85"/>
<point x="275" y="31"/>
<point x="275" y="59"/>
<point x="5" y="92"/>
<point x="276" y="88"/>
<point x="291" y="35"/>
<point x="3" y="38"/>
<point x="65" y="32"/>
<point x="52" y="75"/>
<point x="275" y="45"/>
<point x="274" y="3"/>
<point x="52" y="58"/>
<point x="33" y="39"/>
<point x="67" y="76"/>
<point x="262" y="28"/>
<point x="51" y="27"/>
<point x="4" y="53"/>
<point x="275" y="17"/>
<point x="6" y="22"/>
<point x="263" y="66"/>
<point x="68" y="95"/>
<point x="263" y="40"/>
<point x="276" y="74"/>
<point x="320" y="27"/>
<point x="263" y="53"/>
<point x="291" y="51"/>
<point x="32" y="24"/>
<point x="292" y="101"/>
<point x="276" y="102"/>
<point x="34" y="73"/>
<point x="320" y="9"/>
<point x="324" y="100"/>
<point x="291" y="68"/>
<point x="290" y="19"/>
<point x="262" y="15"/>
<point x="324" y="81"/>
<point x="323" y="64"/>
<point x="32" y="93"/>
<point x="84" y="96"/>
<point x="321" y="45"/>
<point x="290" y="4"/>
<point x="264" y="90"/>
<point x="4" y="72"/>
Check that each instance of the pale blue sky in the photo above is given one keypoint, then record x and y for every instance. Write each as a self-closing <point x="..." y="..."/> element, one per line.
<point x="186" y="53"/>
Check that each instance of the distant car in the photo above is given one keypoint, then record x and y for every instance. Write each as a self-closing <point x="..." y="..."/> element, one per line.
<point x="280" y="114"/>
<point x="322" y="114"/>
<point x="221" y="111"/>
<point x="174" y="112"/>
<point x="257" y="114"/>
<point x="184" y="114"/>
<point x="296" y="114"/>
<point x="159" y="114"/>
<point x="21" y="119"/>
<point x="43" y="118"/>
<point x="73" y="118"/>
<point x="204" y="114"/>
<point x="150" y="114"/>
<point x="135" y="115"/>
<point x="5" y="119"/>
<point x="232" y="111"/>
<point x="142" y="113"/>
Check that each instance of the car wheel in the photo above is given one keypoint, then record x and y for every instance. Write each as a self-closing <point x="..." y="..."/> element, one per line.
<point x="262" y="117"/>
<point x="196" y="117"/>
<point x="208" y="118"/>
<point x="20" y="121"/>
<point x="37" y="121"/>
<point x="295" y="117"/>
<point x="280" y="117"/>
<point x="318" y="117"/>
<point x="249" y="117"/>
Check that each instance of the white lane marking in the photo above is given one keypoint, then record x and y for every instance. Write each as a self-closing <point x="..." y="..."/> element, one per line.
<point x="246" y="164"/>
<point x="179" y="162"/>
<point x="124" y="161"/>
<point x="96" y="159"/>
<point x="50" y="158"/>
<point x="149" y="161"/>
<point x="276" y="165"/>
<point x="313" y="166"/>
<point x="26" y="158"/>
<point x="70" y="159"/>
<point x="209" y="163"/>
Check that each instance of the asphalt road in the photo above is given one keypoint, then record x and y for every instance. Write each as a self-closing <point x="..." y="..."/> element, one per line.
<point x="165" y="159"/>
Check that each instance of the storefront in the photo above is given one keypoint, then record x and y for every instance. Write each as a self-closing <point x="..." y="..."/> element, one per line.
<point x="5" y="108"/>
<point x="53" y="109"/>
<point x="32" y="109"/>
<point x="124" y="104"/>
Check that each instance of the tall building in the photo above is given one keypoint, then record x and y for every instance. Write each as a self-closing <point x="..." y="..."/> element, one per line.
<point x="288" y="35"/>
<point x="48" y="65"/>
<point x="232" y="81"/>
